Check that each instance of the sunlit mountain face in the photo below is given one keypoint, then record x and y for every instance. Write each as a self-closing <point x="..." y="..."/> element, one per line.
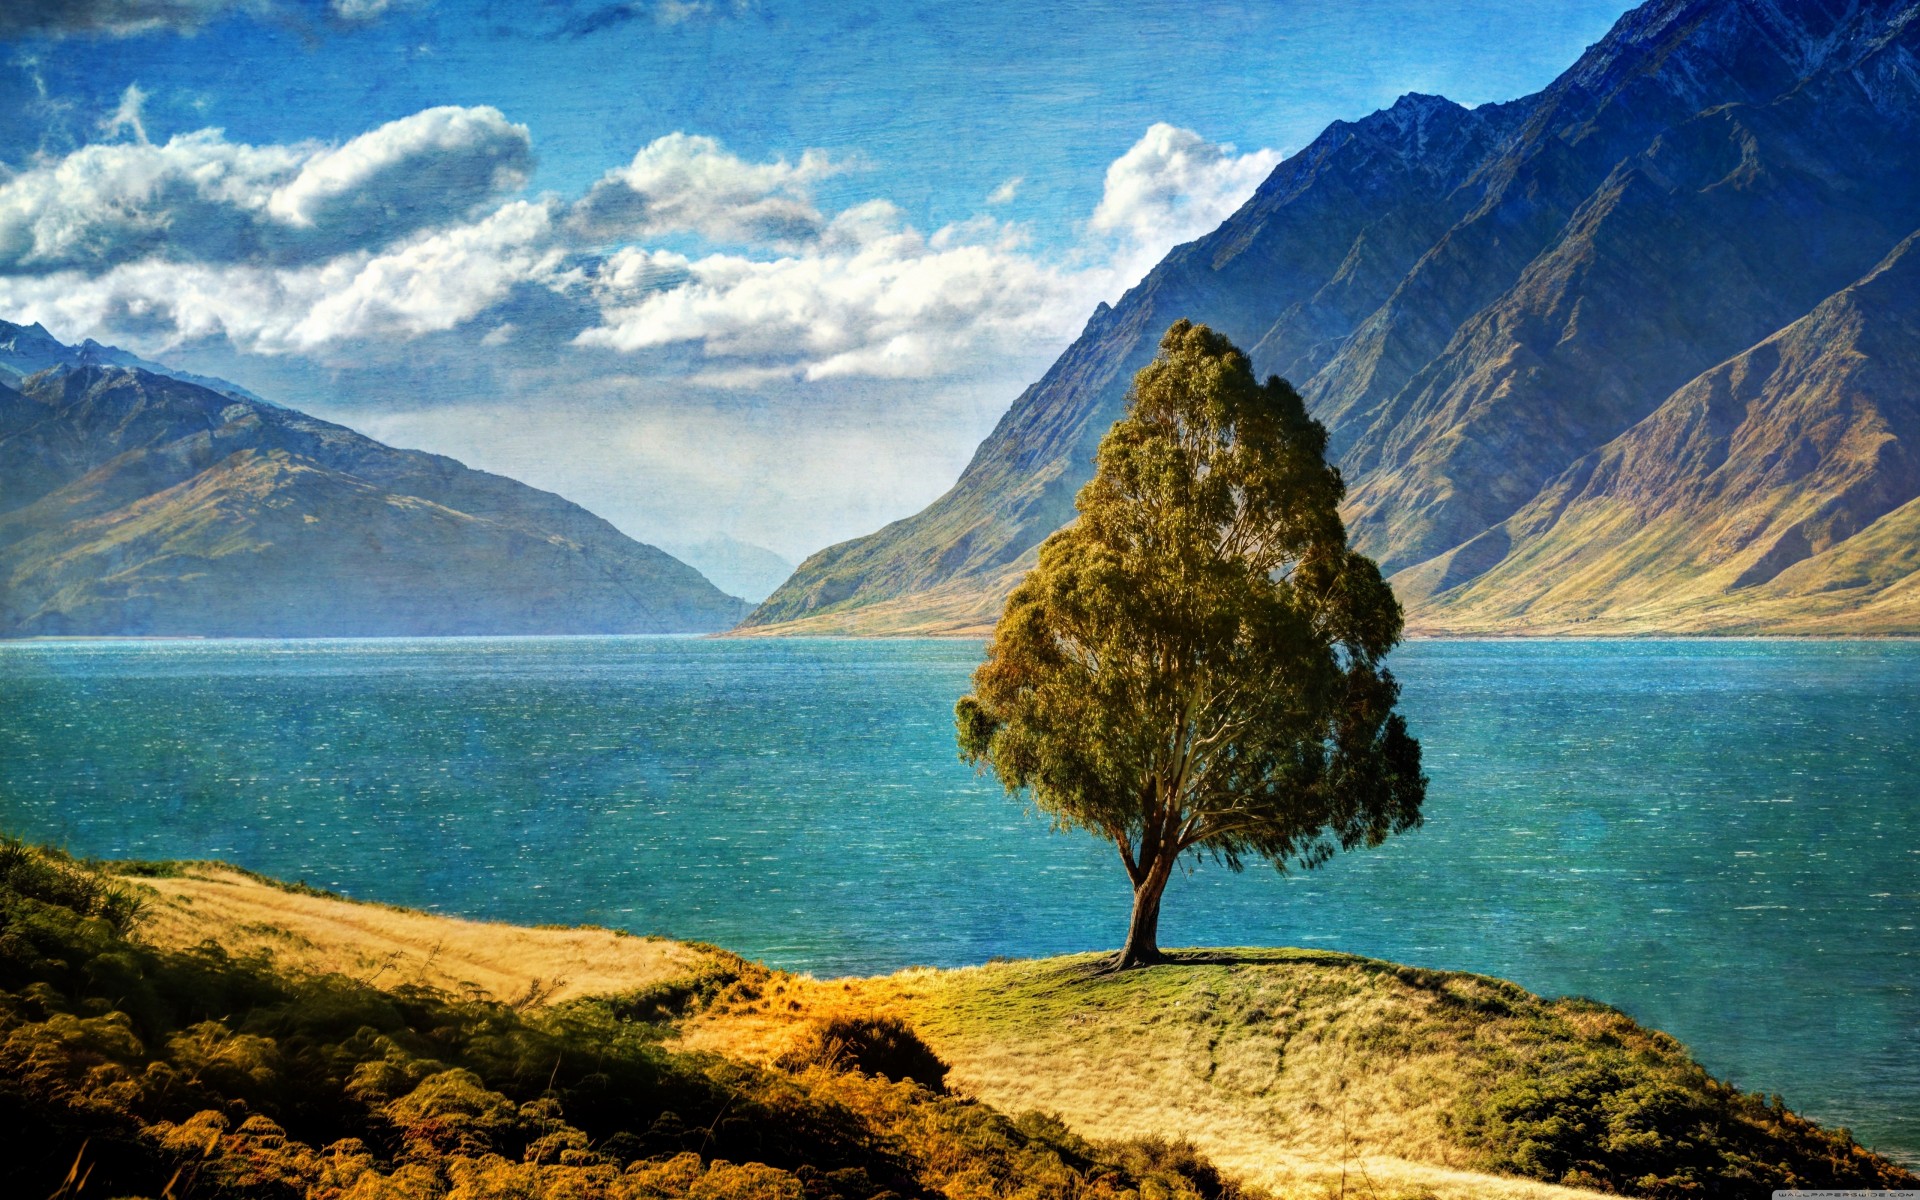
<point x="1631" y="354"/>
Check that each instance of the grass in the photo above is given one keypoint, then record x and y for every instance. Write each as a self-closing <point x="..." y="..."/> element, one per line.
<point x="310" y="931"/>
<point x="1296" y="1070"/>
<point x="1305" y="1073"/>
<point x="128" y="1068"/>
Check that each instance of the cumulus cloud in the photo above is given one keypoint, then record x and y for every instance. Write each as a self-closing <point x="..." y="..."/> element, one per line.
<point x="1173" y="186"/>
<point x="687" y="184"/>
<point x="201" y="198"/>
<point x="435" y="283"/>
<point x="198" y="196"/>
<point x="876" y="299"/>
<point x="407" y="230"/>
<point x="418" y="171"/>
<point x="428" y="284"/>
<point x="866" y="296"/>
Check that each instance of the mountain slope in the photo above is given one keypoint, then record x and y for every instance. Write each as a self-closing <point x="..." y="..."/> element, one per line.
<point x="1473" y="301"/>
<point x="1724" y="227"/>
<point x="136" y="503"/>
<point x="1747" y="497"/>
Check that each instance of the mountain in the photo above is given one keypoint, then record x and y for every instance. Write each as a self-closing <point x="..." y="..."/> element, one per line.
<point x="737" y="568"/>
<point x="1477" y="301"/>
<point x="29" y="349"/>
<point x="1776" y="490"/>
<point x="135" y="503"/>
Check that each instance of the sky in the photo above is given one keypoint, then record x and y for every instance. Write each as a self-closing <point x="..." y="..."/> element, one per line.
<point x="749" y="268"/>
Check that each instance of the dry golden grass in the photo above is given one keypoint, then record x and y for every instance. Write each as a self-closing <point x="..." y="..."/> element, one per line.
<point x="1306" y="1074"/>
<point x="309" y="933"/>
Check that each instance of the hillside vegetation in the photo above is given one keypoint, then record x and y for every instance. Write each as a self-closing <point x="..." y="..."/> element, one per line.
<point x="133" y="1068"/>
<point x="1289" y="1070"/>
<point x="1312" y="1073"/>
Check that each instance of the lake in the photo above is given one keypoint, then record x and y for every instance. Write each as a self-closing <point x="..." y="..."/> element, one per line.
<point x="1720" y="837"/>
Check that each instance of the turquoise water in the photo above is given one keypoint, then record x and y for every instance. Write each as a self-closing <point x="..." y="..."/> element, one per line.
<point x="1722" y="838"/>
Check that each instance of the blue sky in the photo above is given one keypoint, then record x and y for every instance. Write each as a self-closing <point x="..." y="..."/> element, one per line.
<point x="757" y="268"/>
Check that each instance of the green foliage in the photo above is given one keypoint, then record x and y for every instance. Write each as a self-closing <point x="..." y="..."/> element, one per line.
<point x="1194" y="665"/>
<point x="1630" y="1112"/>
<point x="199" y="1075"/>
<point x="1460" y="1069"/>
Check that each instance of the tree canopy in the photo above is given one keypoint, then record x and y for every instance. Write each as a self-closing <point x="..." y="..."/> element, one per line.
<point x="1194" y="665"/>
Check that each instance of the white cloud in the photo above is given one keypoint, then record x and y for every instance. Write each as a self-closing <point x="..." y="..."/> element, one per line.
<point x="875" y="299"/>
<point x="201" y="198"/>
<point x="1005" y="193"/>
<point x="869" y="297"/>
<point x="361" y="10"/>
<point x="306" y="249"/>
<point x="435" y="283"/>
<point x="429" y="284"/>
<point x="196" y="196"/>
<point x="411" y="173"/>
<point x="1173" y="186"/>
<point x="686" y="184"/>
<point x="132" y="102"/>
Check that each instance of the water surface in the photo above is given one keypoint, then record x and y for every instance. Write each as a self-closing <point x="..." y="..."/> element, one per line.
<point x="1721" y="838"/>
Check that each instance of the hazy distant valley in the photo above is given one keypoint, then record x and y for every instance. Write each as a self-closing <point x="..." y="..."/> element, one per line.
<point x="137" y="503"/>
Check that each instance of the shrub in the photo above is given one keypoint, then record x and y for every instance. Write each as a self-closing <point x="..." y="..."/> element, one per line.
<point x="1616" y="1121"/>
<point x="874" y="1044"/>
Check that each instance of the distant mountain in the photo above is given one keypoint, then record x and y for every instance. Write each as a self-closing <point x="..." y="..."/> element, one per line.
<point x="1478" y="301"/>
<point x="135" y="503"/>
<point x="29" y="349"/>
<point x="737" y="568"/>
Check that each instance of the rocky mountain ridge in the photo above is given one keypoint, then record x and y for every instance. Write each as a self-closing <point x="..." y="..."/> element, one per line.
<point x="29" y="349"/>
<point x="1475" y="300"/>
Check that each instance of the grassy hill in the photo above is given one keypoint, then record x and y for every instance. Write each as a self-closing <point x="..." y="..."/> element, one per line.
<point x="192" y="1030"/>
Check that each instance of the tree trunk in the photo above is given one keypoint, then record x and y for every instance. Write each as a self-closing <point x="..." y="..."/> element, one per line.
<point x="1143" y="932"/>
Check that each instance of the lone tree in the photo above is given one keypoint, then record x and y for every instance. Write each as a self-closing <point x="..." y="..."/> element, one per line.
<point x="1194" y="665"/>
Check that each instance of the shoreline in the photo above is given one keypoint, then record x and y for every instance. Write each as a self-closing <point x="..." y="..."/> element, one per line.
<point x="751" y="636"/>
